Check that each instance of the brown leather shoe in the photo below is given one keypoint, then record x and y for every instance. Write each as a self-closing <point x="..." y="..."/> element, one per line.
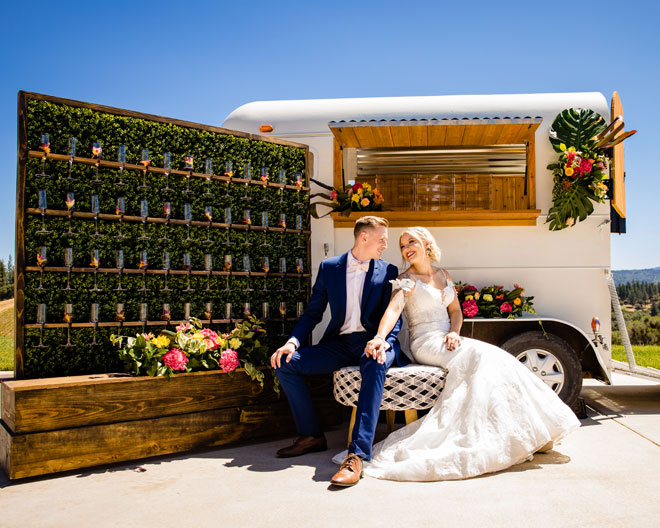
<point x="350" y="472"/>
<point x="302" y="446"/>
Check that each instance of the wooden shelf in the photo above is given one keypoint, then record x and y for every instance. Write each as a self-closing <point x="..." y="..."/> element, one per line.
<point x="158" y="170"/>
<point x="157" y="271"/>
<point x="526" y="217"/>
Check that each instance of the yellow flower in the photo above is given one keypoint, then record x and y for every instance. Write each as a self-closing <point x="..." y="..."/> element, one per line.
<point x="161" y="341"/>
<point x="234" y="343"/>
<point x="488" y="297"/>
<point x="517" y="301"/>
<point x="355" y="198"/>
<point x="469" y="297"/>
<point x="562" y="147"/>
<point x="572" y="149"/>
<point x="569" y="171"/>
<point x="476" y="296"/>
<point x="360" y="191"/>
<point x="366" y="187"/>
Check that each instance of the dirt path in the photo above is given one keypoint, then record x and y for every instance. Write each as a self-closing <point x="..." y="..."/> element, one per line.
<point x="8" y="303"/>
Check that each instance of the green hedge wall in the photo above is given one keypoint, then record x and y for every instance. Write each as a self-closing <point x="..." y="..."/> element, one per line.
<point x="87" y="125"/>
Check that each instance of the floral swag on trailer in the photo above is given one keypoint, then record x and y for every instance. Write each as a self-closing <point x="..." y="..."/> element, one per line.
<point x="192" y="348"/>
<point x="493" y="301"/>
<point x="356" y="197"/>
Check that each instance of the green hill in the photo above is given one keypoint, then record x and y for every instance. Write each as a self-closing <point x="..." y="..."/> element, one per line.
<point x="7" y="318"/>
<point x="639" y="275"/>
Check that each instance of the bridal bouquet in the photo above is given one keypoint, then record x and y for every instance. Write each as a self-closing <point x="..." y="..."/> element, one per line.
<point x="192" y="347"/>
<point x="356" y="197"/>
<point x="493" y="301"/>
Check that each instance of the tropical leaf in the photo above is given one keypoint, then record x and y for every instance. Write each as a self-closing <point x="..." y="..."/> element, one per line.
<point x="576" y="127"/>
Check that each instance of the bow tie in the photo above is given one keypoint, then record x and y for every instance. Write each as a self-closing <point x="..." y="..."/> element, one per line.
<point x="354" y="265"/>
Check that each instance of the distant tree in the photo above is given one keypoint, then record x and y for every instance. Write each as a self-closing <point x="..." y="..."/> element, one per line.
<point x="10" y="271"/>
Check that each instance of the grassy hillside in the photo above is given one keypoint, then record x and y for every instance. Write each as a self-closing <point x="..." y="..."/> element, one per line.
<point x="7" y="318"/>
<point x="639" y="275"/>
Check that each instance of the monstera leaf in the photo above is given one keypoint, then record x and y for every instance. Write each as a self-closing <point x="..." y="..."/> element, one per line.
<point x="575" y="127"/>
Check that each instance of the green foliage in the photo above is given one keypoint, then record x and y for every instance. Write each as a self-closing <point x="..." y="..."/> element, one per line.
<point x="6" y="353"/>
<point x="645" y="355"/>
<point x="576" y="127"/>
<point x="62" y="122"/>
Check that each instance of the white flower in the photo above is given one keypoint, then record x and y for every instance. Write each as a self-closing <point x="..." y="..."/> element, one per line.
<point x="403" y="284"/>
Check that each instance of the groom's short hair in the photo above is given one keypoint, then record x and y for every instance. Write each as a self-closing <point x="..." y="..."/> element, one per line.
<point x="368" y="222"/>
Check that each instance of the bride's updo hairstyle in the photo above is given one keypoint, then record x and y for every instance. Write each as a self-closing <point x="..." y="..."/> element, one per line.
<point x="424" y="235"/>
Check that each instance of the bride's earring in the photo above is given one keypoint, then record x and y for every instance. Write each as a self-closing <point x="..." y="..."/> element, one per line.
<point x="428" y="251"/>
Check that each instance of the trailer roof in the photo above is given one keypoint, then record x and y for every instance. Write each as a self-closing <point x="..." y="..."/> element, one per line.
<point x="311" y="116"/>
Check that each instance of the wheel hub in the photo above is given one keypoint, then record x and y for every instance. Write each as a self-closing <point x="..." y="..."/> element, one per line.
<point x="545" y="366"/>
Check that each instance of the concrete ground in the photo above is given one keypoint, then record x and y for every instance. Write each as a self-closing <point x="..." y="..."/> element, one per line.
<point x="605" y="474"/>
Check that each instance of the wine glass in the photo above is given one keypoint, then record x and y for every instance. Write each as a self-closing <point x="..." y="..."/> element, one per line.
<point x="208" y="213"/>
<point x="187" y="265"/>
<point x="72" y="154"/>
<point x="145" y="162"/>
<point x="264" y="224"/>
<point x="282" y="224"/>
<point x="43" y="205"/>
<point x="208" y="312"/>
<point x="298" y="182"/>
<point x="121" y="158"/>
<point x="94" y="318"/>
<point x="281" y="178"/>
<point x="227" y="268"/>
<point x="166" y="267"/>
<point x="167" y="314"/>
<point x="167" y="213"/>
<point x="265" y="309"/>
<point x="299" y="309"/>
<point x="45" y="146"/>
<point x="265" y="266"/>
<point x="208" y="266"/>
<point x="167" y="165"/>
<point x="42" y="260"/>
<point x="68" y="319"/>
<point x="228" y="315"/>
<point x="143" y="265"/>
<point x="144" y="213"/>
<point x="248" y="269"/>
<point x="97" y="154"/>
<point x="264" y="179"/>
<point x="299" y="228"/>
<point x="186" y="311"/>
<point x="120" y="210"/>
<point x="228" y="221"/>
<point x="144" y="315"/>
<point x="41" y="320"/>
<point x="247" y="220"/>
<point x="119" y="264"/>
<point x="187" y="216"/>
<point x="246" y="310"/>
<point x="70" y="205"/>
<point x="282" y="272"/>
<point x="247" y="176"/>
<point x="283" y="316"/>
<point x="299" y="270"/>
<point x="208" y="172"/>
<point x="95" y="209"/>
<point x="95" y="264"/>
<point x="229" y="173"/>
<point x="68" y="263"/>
<point x="188" y="162"/>
<point x="120" y="314"/>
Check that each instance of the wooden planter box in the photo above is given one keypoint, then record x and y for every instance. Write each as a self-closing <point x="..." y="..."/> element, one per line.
<point x="59" y="424"/>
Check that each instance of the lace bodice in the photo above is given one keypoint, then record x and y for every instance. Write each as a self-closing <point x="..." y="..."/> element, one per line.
<point x="426" y="307"/>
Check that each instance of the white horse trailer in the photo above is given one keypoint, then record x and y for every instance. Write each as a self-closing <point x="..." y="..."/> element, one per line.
<point x="473" y="170"/>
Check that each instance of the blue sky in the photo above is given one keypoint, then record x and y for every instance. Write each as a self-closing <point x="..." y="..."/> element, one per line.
<point x="200" y="60"/>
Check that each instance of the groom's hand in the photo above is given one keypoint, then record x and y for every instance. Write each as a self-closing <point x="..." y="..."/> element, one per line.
<point x="376" y="348"/>
<point x="286" y="350"/>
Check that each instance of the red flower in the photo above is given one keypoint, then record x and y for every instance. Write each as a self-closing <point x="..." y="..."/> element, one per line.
<point x="469" y="287"/>
<point x="229" y="360"/>
<point x="470" y="308"/>
<point x="175" y="359"/>
<point x="499" y="297"/>
<point x="357" y="186"/>
<point x="505" y="308"/>
<point x="585" y="166"/>
<point x="211" y="339"/>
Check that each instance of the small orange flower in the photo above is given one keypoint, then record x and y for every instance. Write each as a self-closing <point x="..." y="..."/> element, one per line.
<point x="517" y="301"/>
<point x="365" y="202"/>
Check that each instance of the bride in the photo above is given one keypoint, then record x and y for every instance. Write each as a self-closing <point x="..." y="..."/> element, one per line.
<point x="492" y="413"/>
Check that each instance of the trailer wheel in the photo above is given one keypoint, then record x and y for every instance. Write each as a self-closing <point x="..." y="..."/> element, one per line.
<point x="551" y="359"/>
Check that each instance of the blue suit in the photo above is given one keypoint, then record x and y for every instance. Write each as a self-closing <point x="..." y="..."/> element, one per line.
<point x="335" y="350"/>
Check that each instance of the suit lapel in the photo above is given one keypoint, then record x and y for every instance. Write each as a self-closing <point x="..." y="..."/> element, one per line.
<point x="340" y="281"/>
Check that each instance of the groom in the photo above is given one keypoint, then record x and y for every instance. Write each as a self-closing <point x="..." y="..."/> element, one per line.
<point x="357" y="287"/>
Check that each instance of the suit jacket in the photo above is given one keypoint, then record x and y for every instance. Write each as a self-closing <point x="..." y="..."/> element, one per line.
<point x="330" y="288"/>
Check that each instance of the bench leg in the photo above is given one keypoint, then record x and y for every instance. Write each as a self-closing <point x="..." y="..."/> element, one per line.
<point x="389" y="416"/>
<point x="411" y="415"/>
<point x="351" y="425"/>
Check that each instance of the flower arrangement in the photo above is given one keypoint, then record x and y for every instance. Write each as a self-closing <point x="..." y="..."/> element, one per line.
<point x="493" y="301"/>
<point x="356" y="197"/>
<point x="582" y="140"/>
<point x="192" y="347"/>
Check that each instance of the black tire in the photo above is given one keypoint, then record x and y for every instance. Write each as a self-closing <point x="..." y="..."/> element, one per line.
<point x="551" y="353"/>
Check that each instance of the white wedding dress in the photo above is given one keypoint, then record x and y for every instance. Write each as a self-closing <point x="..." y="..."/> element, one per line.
<point x="492" y="413"/>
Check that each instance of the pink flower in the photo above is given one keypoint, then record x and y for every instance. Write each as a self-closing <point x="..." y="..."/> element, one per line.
<point x="570" y="156"/>
<point x="175" y="359"/>
<point x="333" y="195"/>
<point x="148" y="336"/>
<point x="499" y="297"/>
<point x="211" y="339"/>
<point x="505" y="308"/>
<point x="229" y="360"/>
<point x="585" y="166"/>
<point x="469" y="287"/>
<point x="470" y="308"/>
<point x="183" y="327"/>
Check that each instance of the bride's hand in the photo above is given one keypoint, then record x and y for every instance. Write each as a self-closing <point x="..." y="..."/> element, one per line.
<point x="452" y="340"/>
<point x="376" y="349"/>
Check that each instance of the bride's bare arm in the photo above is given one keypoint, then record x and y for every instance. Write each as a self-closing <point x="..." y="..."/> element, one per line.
<point x="452" y="339"/>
